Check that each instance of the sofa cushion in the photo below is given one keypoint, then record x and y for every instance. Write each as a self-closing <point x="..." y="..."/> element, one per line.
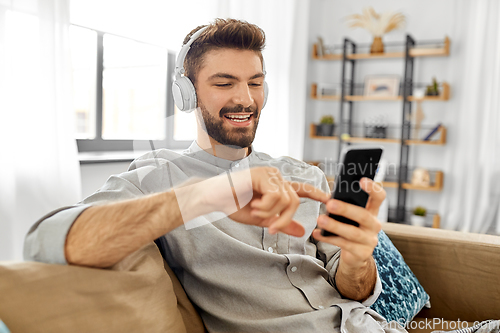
<point x="135" y="295"/>
<point x="402" y="296"/>
<point x="458" y="270"/>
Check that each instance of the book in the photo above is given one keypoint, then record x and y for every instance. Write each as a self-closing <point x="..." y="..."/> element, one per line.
<point x="432" y="132"/>
<point x="321" y="47"/>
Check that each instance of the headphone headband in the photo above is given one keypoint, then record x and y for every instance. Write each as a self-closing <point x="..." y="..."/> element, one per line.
<point x="179" y="65"/>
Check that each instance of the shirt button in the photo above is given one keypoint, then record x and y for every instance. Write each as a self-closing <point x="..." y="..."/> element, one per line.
<point x="236" y="165"/>
<point x="321" y="307"/>
<point x="294" y="269"/>
<point x="270" y="249"/>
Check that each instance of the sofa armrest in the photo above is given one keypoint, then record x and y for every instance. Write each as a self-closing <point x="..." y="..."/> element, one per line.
<point x="459" y="271"/>
<point x="135" y="295"/>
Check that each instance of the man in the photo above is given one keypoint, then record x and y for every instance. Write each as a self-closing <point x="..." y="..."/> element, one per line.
<point x="244" y="277"/>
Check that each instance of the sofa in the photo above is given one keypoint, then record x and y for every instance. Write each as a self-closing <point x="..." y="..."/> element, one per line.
<point x="460" y="272"/>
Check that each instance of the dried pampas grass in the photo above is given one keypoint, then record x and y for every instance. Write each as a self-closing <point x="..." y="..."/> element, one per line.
<point x="376" y="24"/>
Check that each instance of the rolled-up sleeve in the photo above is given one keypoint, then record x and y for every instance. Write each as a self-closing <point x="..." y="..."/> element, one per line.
<point x="45" y="241"/>
<point x="375" y="294"/>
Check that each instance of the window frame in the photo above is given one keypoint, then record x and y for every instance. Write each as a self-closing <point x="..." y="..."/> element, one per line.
<point x="98" y="144"/>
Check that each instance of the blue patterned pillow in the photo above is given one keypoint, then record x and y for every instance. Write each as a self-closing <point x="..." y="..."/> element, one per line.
<point x="3" y="328"/>
<point x="402" y="295"/>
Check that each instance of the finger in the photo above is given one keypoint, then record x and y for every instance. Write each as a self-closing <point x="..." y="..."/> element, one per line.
<point x="272" y="192"/>
<point x="287" y="214"/>
<point x="276" y="206"/>
<point x="305" y="190"/>
<point x="358" y="214"/>
<point x="376" y="195"/>
<point x="347" y="231"/>
<point x="268" y="201"/>
<point x="359" y="251"/>
<point x="294" y="229"/>
<point x="289" y="197"/>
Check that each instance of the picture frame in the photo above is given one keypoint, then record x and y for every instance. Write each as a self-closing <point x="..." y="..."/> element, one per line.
<point x="327" y="90"/>
<point x="382" y="86"/>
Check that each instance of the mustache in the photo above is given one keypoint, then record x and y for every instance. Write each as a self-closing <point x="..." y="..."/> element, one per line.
<point x="239" y="109"/>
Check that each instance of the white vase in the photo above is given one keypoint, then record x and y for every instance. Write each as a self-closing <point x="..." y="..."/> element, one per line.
<point x="418" y="221"/>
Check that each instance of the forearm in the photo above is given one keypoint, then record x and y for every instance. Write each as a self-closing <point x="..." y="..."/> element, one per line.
<point x="356" y="284"/>
<point x="103" y="235"/>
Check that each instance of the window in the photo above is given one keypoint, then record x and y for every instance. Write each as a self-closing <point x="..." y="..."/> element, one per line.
<point x="83" y="43"/>
<point x="122" y="95"/>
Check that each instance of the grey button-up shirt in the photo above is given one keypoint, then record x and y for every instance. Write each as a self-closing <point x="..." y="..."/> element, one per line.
<point x="242" y="278"/>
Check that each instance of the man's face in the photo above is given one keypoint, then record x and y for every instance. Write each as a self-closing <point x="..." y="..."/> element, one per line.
<point x="230" y="92"/>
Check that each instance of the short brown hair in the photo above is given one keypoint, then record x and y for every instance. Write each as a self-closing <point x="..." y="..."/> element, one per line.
<point x="222" y="33"/>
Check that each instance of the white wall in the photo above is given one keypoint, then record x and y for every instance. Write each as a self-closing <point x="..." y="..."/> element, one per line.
<point x="426" y="20"/>
<point x="95" y="175"/>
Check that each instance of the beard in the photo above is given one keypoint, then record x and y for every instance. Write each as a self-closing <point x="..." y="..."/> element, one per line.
<point x="240" y="137"/>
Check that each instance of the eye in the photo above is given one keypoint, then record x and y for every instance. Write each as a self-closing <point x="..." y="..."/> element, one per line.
<point x="223" y="84"/>
<point x="255" y="84"/>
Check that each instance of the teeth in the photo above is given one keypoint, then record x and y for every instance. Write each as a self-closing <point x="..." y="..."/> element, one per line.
<point x="238" y="118"/>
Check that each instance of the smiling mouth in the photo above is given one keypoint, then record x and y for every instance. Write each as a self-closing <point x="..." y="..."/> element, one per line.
<point x="238" y="118"/>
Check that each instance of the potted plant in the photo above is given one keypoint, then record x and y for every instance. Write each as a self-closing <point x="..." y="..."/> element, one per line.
<point x="418" y="217"/>
<point x="433" y="89"/>
<point x="326" y="126"/>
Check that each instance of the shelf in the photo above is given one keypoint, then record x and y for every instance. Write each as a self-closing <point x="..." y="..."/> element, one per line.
<point x="435" y="187"/>
<point x="432" y="219"/>
<point x="361" y="98"/>
<point x="357" y="140"/>
<point x="439" y="142"/>
<point x="314" y="89"/>
<point x="326" y="56"/>
<point x="414" y="52"/>
<point x="391" y="177"/>
<point x="312" y="134"/>
<point x="445" y="96"/>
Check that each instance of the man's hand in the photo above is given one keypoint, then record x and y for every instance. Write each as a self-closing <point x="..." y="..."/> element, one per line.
<point x="275" y="201"/>
<point x="257" y="196"/>
<point x="356" y="274"/>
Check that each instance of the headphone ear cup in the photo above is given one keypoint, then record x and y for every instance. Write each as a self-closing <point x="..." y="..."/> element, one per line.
<point x="266" y="93"/>
<point x="184" y="94"/>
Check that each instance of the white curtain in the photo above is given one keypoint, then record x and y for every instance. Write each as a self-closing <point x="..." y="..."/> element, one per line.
<point x="39" y="169"/>
<point x="472" y="186"/>
<point x="285" y="22"/>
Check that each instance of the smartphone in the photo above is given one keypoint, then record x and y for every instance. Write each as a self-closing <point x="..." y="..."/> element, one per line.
<point x="355" y="163"/>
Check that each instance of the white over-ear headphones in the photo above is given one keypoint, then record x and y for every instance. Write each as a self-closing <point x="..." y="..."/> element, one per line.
<point x="183" y="89"/>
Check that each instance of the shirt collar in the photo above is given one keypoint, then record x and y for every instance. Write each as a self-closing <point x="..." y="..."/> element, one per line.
<point x="195" y="151"/>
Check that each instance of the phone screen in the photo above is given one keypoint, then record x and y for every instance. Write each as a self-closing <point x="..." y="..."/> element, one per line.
<point x="356" y="163"/>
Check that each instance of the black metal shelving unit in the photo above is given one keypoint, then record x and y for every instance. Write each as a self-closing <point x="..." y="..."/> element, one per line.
<point x="346" y="110"/>
<point x="347" y="87"/>
<point x="405" y="129"/>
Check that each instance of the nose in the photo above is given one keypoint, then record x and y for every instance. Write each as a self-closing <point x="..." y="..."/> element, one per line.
<point x="243" y="96"/>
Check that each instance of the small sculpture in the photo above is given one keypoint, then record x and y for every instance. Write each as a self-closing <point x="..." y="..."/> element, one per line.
<point x="421" y="177"/>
